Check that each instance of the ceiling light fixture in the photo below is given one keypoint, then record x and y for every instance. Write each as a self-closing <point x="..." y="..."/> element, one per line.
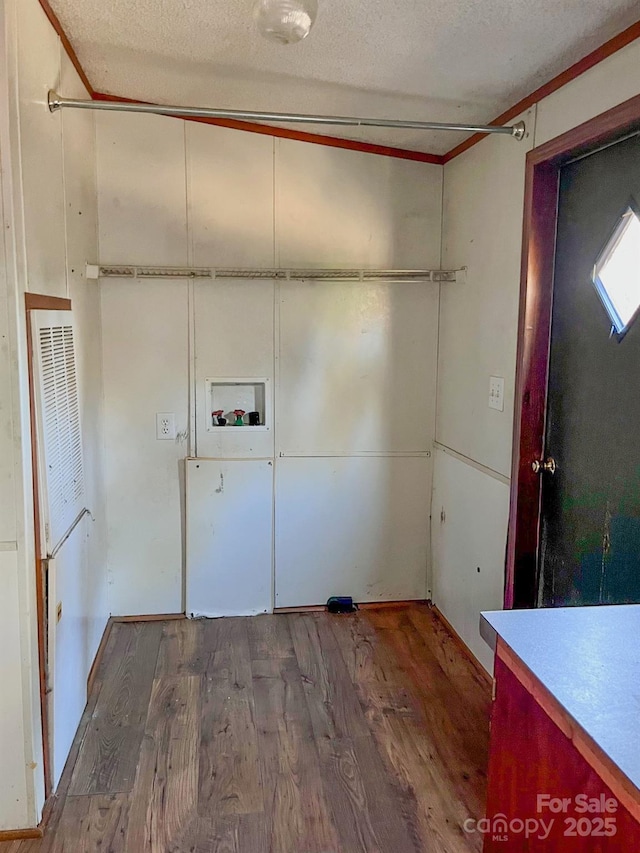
<point x="285" y="21"/>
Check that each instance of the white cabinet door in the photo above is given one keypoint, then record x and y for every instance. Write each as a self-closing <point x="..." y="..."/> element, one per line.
<point x="229" y="537"/>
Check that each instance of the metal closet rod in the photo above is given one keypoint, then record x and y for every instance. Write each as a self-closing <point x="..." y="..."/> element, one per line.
<point x="56" y="102"/>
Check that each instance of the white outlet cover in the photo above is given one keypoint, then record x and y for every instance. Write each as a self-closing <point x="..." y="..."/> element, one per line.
<point x="496" y="393"/>
<point x="165" y="426"/>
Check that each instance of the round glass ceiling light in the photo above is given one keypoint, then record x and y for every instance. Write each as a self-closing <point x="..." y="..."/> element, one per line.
<point x="286" y="21"/>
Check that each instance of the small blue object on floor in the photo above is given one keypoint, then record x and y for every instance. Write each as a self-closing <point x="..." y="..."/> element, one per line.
<point x="341" y="604"/>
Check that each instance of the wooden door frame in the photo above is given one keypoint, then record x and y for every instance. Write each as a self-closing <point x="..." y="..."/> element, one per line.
<point x="39" y="302"/>
<point x="534" y="332"/>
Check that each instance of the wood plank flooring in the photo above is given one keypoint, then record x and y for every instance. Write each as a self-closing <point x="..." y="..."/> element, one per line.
<point x="296" y="733"/>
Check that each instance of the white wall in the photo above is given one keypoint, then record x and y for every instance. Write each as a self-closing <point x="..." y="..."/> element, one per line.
<point x="49" y="194"/>
<point x="176" y="193"/>
<point x="355" y="409"/>
<point x="357" y="368"/>
<point x="482" y="229"/>
<point x="82" y="566"/>
<point x="145" y="336"/>
<point x="234" y="336"/>
<point x="19" y="744"/>
<point x="469" y="517"/>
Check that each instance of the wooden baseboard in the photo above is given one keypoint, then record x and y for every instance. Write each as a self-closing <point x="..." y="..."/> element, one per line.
<point x="96" y="661"/>
<point x="150" y="617"/>
<point x="161" y="617"/>
<point x="20" y="834"/>
<point x="308" y="608"/>
<point x="368" y="605"/>
<point x="388" y="605"/>
<point x="463" y="647"/>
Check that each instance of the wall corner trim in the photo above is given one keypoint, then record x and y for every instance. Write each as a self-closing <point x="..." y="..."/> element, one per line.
<point x="587" y="62"/>
<point x="300" y="135"/>
<point x="462" y="646"/>
<point x="248" y="127"/>
<point x="57" y="26"/>
<point x="99" y="655"/>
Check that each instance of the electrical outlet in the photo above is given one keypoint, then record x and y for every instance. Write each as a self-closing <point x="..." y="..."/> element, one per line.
<point x="165" y="426"/>
<point x="496" y="393"/>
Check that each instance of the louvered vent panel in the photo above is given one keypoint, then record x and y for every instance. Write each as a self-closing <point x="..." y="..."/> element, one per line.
<point x="61" y="436"/>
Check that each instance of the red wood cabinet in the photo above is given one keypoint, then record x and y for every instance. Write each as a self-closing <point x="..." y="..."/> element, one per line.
<point x="550" y="788"/>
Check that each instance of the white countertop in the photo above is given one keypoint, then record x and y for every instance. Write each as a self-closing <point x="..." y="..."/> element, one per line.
<point x="589" y="660"/>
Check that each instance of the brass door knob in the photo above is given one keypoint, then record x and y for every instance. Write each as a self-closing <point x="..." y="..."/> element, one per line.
<point x="542" y="466"/>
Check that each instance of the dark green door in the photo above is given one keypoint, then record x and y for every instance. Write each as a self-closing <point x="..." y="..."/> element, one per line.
<point x="590" y="521"/>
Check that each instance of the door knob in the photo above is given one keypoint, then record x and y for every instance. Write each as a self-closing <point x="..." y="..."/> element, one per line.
<point x="544" y="466"/>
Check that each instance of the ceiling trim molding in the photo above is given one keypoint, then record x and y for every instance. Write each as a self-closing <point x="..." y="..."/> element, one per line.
<point x="299" y="135"/>
<point x="587" y="62"/>
<point x="57" y="26"/>
<point x="592" y="59"/>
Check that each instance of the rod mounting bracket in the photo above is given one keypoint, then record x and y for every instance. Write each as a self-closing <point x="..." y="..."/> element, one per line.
<point x="518" y="130"/>
<point x="53" y="101"/>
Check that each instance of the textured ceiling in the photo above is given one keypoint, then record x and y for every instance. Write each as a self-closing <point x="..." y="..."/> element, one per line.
<point x="435" y="60"/>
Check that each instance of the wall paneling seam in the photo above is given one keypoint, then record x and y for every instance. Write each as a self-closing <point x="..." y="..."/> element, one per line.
<point x="64" y="195"/>
<point x="192" y="391"/>
<point x="275" y="390"/>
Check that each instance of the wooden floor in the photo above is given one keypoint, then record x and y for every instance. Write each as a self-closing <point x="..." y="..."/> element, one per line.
<point x="298" y="733"/>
